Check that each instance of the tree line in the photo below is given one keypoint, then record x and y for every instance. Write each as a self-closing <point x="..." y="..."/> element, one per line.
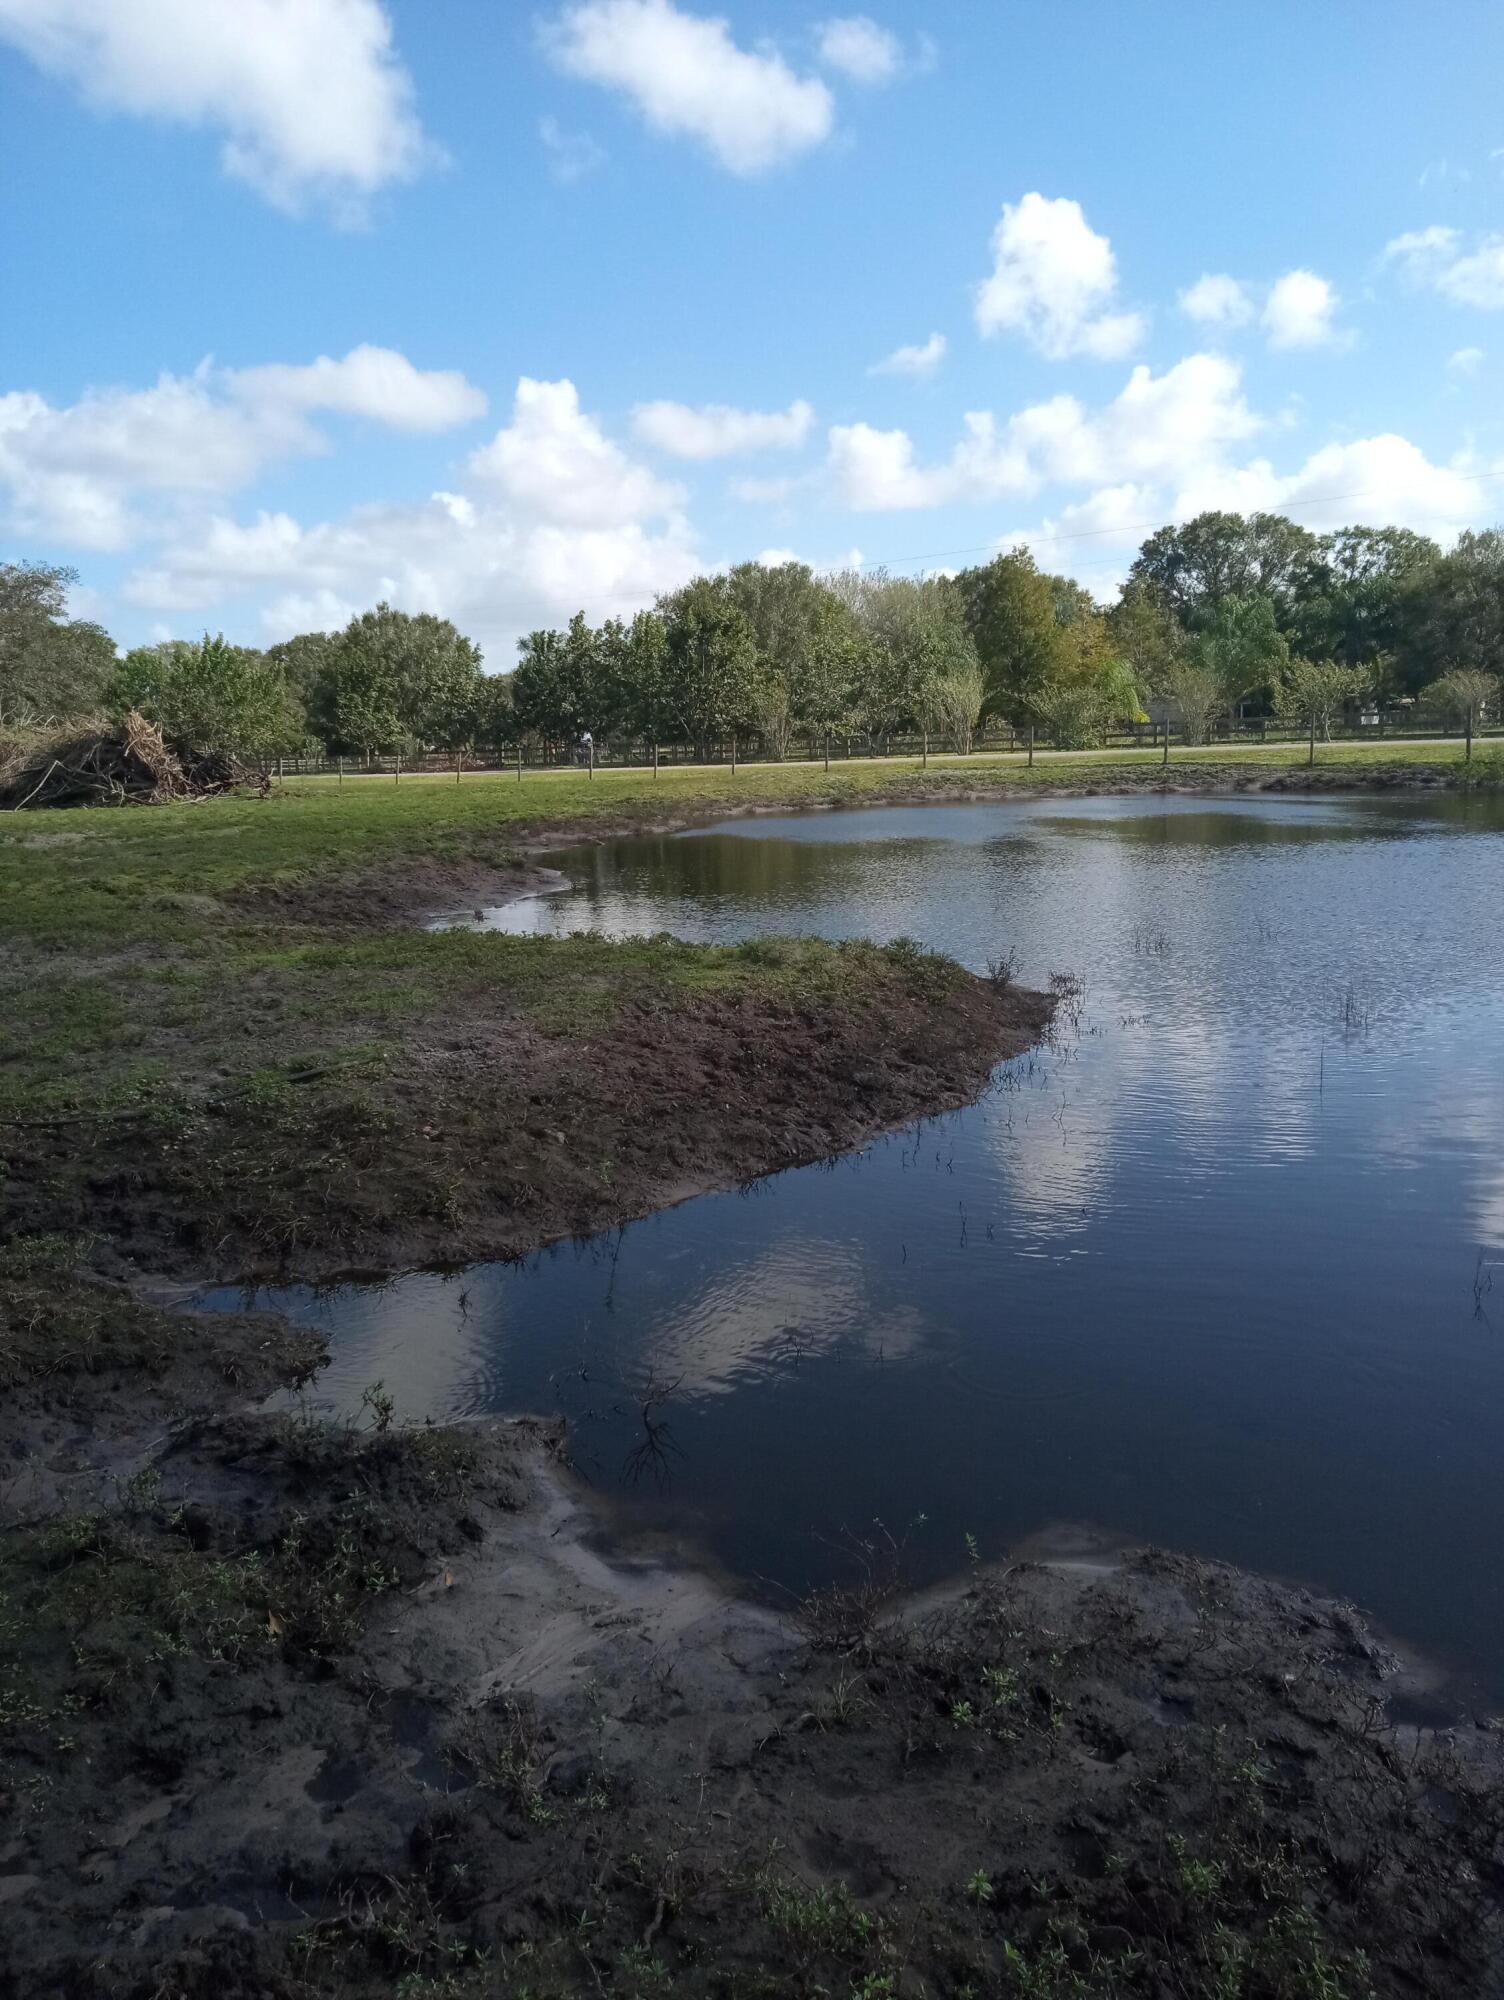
<point x="1222" y="615"/>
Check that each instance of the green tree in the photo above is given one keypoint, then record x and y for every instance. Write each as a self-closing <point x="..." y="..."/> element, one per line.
<point x="50" y="666"/>
<point x="952" y="702"/>
<point x="710" y="680"/>
<point x="1194" y="568"/>
<point x="1241" y="643"/>
<point x="1317" y="691"/>
<point x="212" y="697"/>
<point x="396" y="678"/>
<point x="1356" y="592"/>
<point x="538" y="692"/>
<point x="807" y="643"/>
<point x="1192" y="692"/>
<point x="1010" y="611"/>
<point x="1455" y="611"/>
<point x="495" y="720"/>
<point x="1468" y="695"/>
<point x="646" y="702"/>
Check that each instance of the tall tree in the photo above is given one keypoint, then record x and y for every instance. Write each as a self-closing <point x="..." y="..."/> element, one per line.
<point x="1354" y="594"/>
<point x="710" y="661"/>
<point x="1196" y="567"/>
<point x="1241" y="643"/>
<point x="50" y="666"/>
<point x="1455" y="613"/>
<point x="1010" y="611"/>
<point x="395" y="677"/>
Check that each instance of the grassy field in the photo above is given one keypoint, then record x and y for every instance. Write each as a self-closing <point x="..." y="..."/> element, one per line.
<point x="86" y="879"/>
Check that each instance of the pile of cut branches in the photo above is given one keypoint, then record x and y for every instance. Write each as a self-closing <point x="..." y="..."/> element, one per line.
<point x="111" y="764"/>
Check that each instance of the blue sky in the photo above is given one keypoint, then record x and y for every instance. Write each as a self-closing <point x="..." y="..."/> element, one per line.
<point x="498" y="311"/>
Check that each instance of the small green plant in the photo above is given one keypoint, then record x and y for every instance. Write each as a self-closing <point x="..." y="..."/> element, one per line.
<point x="380" y="1403"/>
<point x="979" y="1887"/>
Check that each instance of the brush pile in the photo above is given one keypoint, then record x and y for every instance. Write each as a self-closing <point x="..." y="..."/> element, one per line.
<point x="110" y="765"/>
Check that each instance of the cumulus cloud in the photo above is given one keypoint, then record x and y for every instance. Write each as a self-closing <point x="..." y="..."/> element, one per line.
<point x="1301" y="311"/>
<point x="687" y="77"/>
<point x="715" y="430"/>
<point x="555" y="459"/>
<point x="1053" y="279"/>
<point x="921" y="359"/>
<point x="1217" y="300"/>
<point x="1384" y="478"/>
<point x="1158" y="425"/>
<point x="78" y="472"/>
<point x="571" y="156"/>
<point x="373" y="382"/>
<point x="860" y="49"/>
<point x="1436" y="258"/>
<point x="309" y="94"/>
<point x="553" y="516"/>
<point x="1466" y="361"/>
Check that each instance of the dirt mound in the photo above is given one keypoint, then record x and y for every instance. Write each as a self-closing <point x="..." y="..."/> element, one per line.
<point x="124" y="764"/>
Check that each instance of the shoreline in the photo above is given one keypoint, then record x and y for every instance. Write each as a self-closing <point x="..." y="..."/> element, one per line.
<point x="1112" y="1769"/>
<point x="357" y="1709"/>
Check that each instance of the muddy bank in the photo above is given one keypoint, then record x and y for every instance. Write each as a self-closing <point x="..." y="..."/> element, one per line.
<point x="311" y="1712"/>
<point x="487" y="1133"/>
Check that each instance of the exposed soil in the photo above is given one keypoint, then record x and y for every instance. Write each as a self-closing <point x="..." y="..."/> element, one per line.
<point x="490" y="1137"/>
<point x="313" y="1712"/>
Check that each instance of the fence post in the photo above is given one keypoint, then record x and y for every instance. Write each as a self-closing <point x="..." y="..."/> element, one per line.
<point x="1311" y="759"/>
<point x="733" y="753"/>
<point x="519" y="760"/>
<point x="397" y="776"/>
<point x="1166" y="757"/>
<point x="655" y="758"/>
<point x="1031" y="746"/>
<point x="827" y="749"/>
<point x="924" y="755"/>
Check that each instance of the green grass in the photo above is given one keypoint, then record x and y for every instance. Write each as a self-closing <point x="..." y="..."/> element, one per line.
<point x="101" y="876"/>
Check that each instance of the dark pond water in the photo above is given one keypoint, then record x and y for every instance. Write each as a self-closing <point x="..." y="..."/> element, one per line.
<point x="1224" y="1268"/>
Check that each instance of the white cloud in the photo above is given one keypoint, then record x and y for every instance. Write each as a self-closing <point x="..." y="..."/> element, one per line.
<point x="1053" y="278"/>
<point x="1435" y="257"/>
<point x="554" y="517"/>
<point x="776" y="558"/>
<point x="1466" y="361"/>
<point x="572" y="156"/>
<point x="860" y="49"/>
<point x="874" y="471"/>
<point x="714" y="430"/>
<point x="1376" y="479"/>
<point x="1217" y="300"/>
<point x="1172" y="425"/>
<point x="1300" y="310"/>
<point x="920" y="360"/>
<point x="687" y="77"/>
<point x="1094" y="536"/>
<point x="308" y="93"/>
<point x="78" y="472"/>
<point x="555" y="460"/>
<point x="374" y="382"/>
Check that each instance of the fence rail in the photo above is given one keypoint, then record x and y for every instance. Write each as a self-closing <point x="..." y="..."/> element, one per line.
<point x="843" y="747"/>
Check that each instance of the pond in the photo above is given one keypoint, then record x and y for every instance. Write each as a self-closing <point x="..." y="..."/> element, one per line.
<point x="1223" y="1268"/>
